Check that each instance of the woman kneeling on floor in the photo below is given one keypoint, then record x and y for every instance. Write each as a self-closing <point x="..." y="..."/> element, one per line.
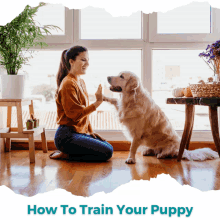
<point x="74" y="138"/>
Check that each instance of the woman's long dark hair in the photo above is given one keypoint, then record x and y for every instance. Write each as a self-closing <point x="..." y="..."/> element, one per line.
<point x="64" y="67"/>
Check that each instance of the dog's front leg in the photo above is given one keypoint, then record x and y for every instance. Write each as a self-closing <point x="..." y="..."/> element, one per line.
<point x="134" y="146"/>
<point x="112" y="101"/>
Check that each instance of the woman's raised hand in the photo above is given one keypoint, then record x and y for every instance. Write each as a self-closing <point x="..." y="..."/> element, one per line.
<point x="98" y="94"/>
<point x="99" y="97"/>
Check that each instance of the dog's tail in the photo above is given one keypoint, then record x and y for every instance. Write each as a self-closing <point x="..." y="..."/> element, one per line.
<point x="200" y="154"/>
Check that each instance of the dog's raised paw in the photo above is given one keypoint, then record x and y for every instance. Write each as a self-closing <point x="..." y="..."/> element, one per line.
<point x="105" y="98"/>
<point x="130" y="161"/>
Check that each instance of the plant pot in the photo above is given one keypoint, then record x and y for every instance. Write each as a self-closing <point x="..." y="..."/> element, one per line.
<point x="216" y="77"/>
<point x="36" y="123"/>
<point x="12" y="86"/>
<point x="29" y="125"/>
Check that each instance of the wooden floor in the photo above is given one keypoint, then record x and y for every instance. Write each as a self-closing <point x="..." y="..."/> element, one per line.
<point x="86" y="179"/>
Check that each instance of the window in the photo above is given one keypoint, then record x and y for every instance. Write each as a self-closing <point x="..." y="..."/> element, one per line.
<point x="178" y="68"/>
<point x="52" y="14"/>
<point x="58" y="15"/>
<point x="196" y="22"/>
<point x="96" y="23"/>
<point x="192" y="18"/>
<point x="108" y="63"/>
<point x="41" y="84"/>
<point x="161" y="48"/>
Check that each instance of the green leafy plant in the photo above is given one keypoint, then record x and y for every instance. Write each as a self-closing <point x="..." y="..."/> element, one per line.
<point x="18" y="36"/>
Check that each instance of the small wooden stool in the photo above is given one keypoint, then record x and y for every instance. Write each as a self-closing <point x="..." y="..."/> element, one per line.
<point x="190" y="103"/>
<point x="21" y="132"/>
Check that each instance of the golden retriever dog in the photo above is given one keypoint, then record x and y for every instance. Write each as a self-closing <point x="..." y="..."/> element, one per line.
<point x="146" y="123"/>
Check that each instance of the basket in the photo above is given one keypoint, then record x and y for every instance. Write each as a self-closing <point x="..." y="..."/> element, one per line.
<point x="205" y="90"/>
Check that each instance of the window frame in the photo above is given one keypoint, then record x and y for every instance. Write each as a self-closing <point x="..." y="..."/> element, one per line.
<point x="68" y="36"/>
<point x="188" y="38"/>
<point x="149" y="41"/>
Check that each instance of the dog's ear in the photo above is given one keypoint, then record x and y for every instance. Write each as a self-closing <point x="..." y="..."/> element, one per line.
<point x="132" y="84"/>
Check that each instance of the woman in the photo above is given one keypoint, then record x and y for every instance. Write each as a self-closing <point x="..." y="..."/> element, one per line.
<point x="74" y="138"/>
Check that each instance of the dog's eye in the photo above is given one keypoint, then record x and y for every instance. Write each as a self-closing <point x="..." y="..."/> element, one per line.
<point x="122" y="76"/>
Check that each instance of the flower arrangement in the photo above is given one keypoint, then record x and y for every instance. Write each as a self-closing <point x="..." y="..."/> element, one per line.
<point x="210" y="88"/>
<point x="212" y="57"/>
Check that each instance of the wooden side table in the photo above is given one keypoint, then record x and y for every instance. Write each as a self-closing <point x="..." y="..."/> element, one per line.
<point x="190" y="103"/>
<point x="20" y="131"/>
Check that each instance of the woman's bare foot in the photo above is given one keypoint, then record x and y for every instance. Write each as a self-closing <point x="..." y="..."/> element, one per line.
<point x="58" y="155"/>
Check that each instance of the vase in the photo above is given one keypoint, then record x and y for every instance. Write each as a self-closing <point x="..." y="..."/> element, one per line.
<point x="12" y="86"/>
<point x="216" y="77"/>
<point x="36" y="123"/>
<point x="29" y="124"/>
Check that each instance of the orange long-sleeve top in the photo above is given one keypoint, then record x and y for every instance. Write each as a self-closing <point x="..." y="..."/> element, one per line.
<point x="73" y="107"/>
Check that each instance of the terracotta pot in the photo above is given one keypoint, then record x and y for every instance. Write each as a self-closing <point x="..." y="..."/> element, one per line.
<point x="29" y="125"/>
<point x="36" y="123"/>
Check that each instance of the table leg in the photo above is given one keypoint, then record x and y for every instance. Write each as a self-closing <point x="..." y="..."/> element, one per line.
<point x="8" y="145"/>
<point x="31" y="148"/>
<point x="189" y="115"/>
<point x="44" y="141"/>
<point x="213" y="117"/>
<point x="19" y="117"/>
<point x="191" y="129"/>
<point x="8" y="140"/>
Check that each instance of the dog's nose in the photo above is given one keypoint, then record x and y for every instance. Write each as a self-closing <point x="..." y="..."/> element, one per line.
<point x="109" y="79"/>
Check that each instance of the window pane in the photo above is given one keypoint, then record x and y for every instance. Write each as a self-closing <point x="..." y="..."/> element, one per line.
<point x="41" y="84"/>
<point x="192" y="18"/>
<point x="52" y="15"/>
<point x="103" y="64"/>
<point x="96" y="23"/>
<point x="178" y="68"/>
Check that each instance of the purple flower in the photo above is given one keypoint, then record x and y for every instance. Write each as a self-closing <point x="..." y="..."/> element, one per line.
<point x="211" y="54"/>
<point x="202" y="54"/>
<point x="208" y="47"/>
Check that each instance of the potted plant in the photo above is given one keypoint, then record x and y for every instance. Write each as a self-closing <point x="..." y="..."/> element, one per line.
<point x="16" y="39"/>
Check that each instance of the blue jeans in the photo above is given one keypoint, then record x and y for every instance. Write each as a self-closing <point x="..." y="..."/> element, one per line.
<point x="81" y="147"/>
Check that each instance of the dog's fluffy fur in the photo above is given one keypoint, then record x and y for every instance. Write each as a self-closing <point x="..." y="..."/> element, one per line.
<point x="146" y="123"/>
